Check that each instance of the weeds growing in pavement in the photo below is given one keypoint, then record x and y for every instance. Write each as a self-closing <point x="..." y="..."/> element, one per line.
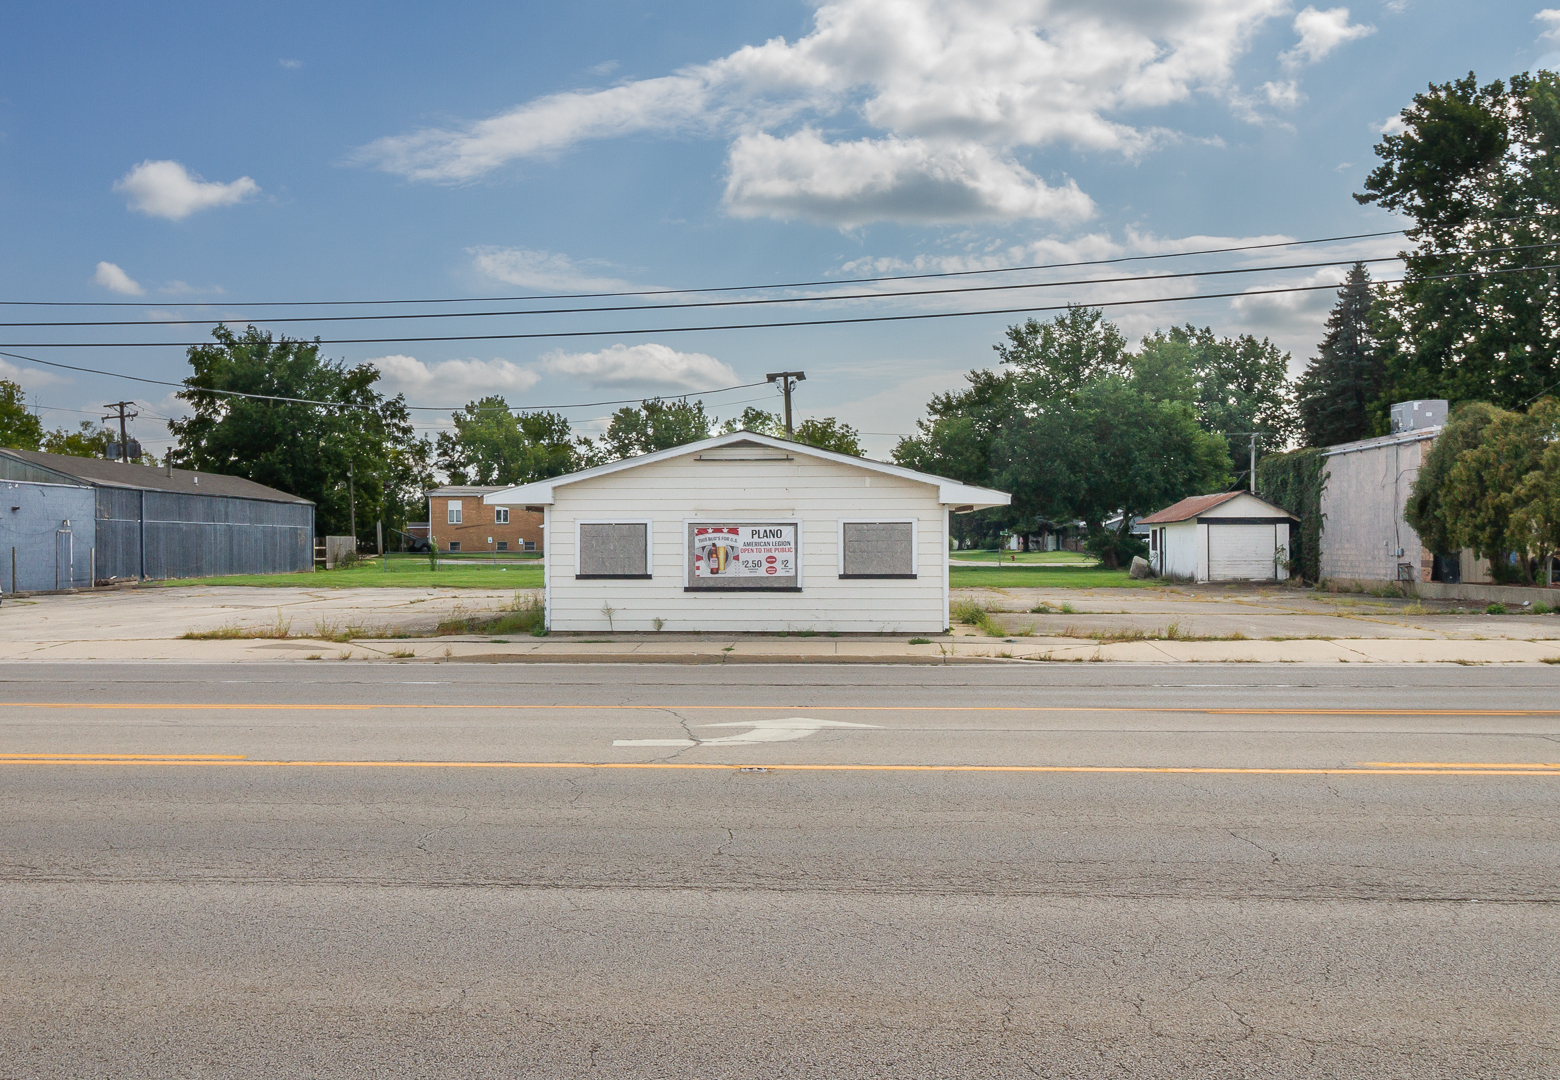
<point x="525" y="614"/>
<point x="233" y="632"/>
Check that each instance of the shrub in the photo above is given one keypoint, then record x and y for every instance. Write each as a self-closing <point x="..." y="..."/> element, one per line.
<point x="1496" y="608"/>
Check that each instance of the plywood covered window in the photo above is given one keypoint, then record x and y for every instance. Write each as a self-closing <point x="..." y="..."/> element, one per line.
<point x="613" y="549"/>
<point x="877" y="549"/>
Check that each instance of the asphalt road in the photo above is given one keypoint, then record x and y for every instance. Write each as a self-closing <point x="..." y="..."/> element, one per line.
<point x="1058" y="871"/>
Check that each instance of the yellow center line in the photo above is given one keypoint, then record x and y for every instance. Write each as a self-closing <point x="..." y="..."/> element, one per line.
<point x="1493" y="770"/>
<point x="125" y="757"/>
<point x="228" y="707"/>
<point x="1462" y="764"/>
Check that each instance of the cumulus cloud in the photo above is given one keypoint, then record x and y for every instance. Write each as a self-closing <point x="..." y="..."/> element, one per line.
<point x="649" y="365"/>
<point x="1549" y="17"/>
<point x="1320" y="33"/>
<point x="290" y="64"/>
<point x="1392" y="125"/>
<point x="905" y="180"/>
<point x="956" y="90"/>
<point x="543" y="270"/>
<point x="166" y="189"/>
<point x="1284" y="95"/>
<point x="116" y="280"/>
<point x="29" y="378"/>
<point x="454" y="381"/>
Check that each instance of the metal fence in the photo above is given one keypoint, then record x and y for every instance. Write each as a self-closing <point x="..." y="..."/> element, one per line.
<point x="158" y="534"/>
<point x="46" y="537"/>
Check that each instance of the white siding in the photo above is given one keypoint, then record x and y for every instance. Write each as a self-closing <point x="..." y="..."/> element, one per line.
<point x="813" y="492"/>
<point x="1179" y="539"/>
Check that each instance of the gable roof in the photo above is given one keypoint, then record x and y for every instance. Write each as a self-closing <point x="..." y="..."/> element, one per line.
<point x="100" y="472"/>
<point x="949" y="492"/>
<point x="1187" y="509"/>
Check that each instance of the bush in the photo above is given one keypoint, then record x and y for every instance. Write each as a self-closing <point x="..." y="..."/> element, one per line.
<point x="1112" y="549"/>
<point x="1495" y="609"/>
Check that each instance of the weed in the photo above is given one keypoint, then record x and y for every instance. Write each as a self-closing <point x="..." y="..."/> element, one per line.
<point x="967" y="611"/>
<point x="401" y="654"/>
<point x="609" y="611"/>
<point x="314" y="656"/>
<point x="1496" y="608"/>
<point x="1549" y="659"/>
<point x="1004" y="655"/>
<point x="728" y="648"/>
<point x="1027" y="631"/>
<point x="232" y="631"/>
<point x="834" y="633"/>
<point x="344" y="654"/>
<point x="1042" y="608"/>
<point x="448" y="652"/>
<point x="658" y="623"/>
<point x="498" y="641"/>
<point x="807" y="633"/>
<point x="524" y="615"/>
<point x="1068" y="609"/>
<point x="920" y="641"/>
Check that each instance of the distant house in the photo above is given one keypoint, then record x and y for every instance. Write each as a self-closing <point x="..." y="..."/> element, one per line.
<point x="458" y="521"/>
<point x="1229" y="536"/>
<point x="71" y="521"/>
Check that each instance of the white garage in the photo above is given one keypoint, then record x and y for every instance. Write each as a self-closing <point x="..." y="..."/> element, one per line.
<point x="1230" y="536"/>
<point x="746" y="532"/>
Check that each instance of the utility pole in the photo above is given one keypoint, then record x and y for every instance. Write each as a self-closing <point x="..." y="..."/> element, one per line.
<point x="352" y="504"/>
<point x="787" y="381"/>
<point x="1253" y="467"/>
<point x="124" y="435"/>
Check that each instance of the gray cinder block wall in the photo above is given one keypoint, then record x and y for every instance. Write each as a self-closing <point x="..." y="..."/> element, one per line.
<point x="1364" y="536"/>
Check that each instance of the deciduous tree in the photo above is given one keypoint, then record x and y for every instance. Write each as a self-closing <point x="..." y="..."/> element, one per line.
<point x="19" y="429"/>
<point x="492" y="444"/>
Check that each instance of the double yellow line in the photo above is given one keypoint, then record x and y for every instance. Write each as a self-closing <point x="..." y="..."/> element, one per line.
<point x="1366" y="768"/>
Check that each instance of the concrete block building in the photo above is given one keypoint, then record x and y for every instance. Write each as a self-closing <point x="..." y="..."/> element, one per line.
<point x="459" y="521"/>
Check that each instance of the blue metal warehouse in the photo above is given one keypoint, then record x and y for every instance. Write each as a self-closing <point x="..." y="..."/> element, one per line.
<point x="70" y="520"/>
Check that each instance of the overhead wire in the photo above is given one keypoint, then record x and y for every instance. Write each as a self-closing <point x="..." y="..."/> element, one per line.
<point x="853" y="320"/>
<point x="722" y="288"/>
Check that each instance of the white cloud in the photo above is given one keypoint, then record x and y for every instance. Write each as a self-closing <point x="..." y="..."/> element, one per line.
<point x="1549" y="17"/>
<point x="290" y="64"/>
<point x="906" y="180"/>
<point x="166" y="189"/>
<point x="1320" y="33"/>
<point x="955" y="90"/>
<point x="606" y="67"/>
<point x="452" y="381"/>
<point x="116" y="280"/>
<point x="542" y="270"/>
<point x="28" y="377"/>
<point x="1392" y="125"/>
<point x="648" y="365"/>
<point x="1283" y="95"/>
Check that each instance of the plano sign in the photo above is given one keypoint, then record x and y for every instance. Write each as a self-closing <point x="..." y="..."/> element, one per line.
<point x="746" y="556"/>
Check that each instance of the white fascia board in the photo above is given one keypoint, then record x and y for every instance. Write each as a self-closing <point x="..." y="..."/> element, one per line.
<point x="949" y="492"/>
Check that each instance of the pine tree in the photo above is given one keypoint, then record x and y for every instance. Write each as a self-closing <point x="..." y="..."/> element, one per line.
<point x="1335" y="393"/>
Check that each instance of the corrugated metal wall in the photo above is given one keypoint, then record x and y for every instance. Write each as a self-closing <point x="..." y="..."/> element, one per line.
<point x="47" y="554"/>
<point x="199" y="535"/>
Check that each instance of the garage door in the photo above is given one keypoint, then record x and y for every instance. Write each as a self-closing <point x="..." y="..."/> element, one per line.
<point x="1241" y="552"/>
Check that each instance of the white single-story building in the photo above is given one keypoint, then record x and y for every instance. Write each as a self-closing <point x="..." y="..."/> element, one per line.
<point x="746" y="532"/>
<point x="1231" y="536"/>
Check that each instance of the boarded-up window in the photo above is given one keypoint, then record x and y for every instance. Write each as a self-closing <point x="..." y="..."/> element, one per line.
<point x="879" y="549"/>
<point x="613" y="550"/>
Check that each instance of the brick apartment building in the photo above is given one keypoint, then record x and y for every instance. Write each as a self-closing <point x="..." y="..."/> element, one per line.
<point x="458" y="521"/>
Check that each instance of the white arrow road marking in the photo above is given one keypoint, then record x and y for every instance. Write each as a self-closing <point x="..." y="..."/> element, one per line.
<point x="763" y="731"/>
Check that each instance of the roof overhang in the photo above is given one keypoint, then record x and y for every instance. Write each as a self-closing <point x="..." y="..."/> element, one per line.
<point x="957" y="496"/>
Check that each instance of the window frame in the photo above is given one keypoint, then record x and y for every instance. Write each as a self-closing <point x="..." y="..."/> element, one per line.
<point x="739" y="520"/>
<point x="915" y="547"/>
<point x="454" y="514"/>
<point x="649" y="525"/>
<point x="500" y="515"/>
<point x="452" y="545"/>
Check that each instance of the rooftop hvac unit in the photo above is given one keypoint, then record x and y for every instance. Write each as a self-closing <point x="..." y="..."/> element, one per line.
<point x="1418" y="415"/>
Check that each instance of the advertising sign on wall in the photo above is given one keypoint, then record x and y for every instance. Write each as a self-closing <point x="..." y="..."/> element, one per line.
<point x="746" y="556"/>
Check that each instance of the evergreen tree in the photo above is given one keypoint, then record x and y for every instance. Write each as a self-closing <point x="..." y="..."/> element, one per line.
<point x="1335" y="394"/>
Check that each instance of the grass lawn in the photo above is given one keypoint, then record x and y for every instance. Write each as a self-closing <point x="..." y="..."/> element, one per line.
<point x="1044" y="577"/>
<point x="1021" y="558"/>
<point x="409" y="573"/>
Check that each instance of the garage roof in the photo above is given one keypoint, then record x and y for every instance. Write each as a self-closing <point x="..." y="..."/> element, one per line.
<point x="102" y="473"/>
<point x="1187" y="509"/>
<point x="949" y="492"/>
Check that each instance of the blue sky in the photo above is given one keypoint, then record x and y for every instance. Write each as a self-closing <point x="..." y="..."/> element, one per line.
<point x="164" y="154"/>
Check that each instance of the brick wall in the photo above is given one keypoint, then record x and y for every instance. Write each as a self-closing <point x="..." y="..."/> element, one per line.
<point x="479" y="522"/>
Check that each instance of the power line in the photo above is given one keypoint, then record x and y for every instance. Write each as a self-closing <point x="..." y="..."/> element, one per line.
<point x="349" y="405"/>
<point x="827" y="297"/>
<point x="855" y="320"/>
<point x="715" y="289"/>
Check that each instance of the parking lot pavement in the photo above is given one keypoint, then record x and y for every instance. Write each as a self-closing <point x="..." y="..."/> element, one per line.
<point x="1162" y="625"/>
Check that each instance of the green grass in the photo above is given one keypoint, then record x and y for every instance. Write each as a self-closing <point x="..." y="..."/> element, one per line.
<point x="1045" y="577"/>
<point x="1022" y="558"/>
<point x="406" y="572"/>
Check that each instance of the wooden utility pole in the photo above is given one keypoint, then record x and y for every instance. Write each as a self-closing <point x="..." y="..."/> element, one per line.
<point x="124" y="435"/>
<point x="787" y="381"/>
